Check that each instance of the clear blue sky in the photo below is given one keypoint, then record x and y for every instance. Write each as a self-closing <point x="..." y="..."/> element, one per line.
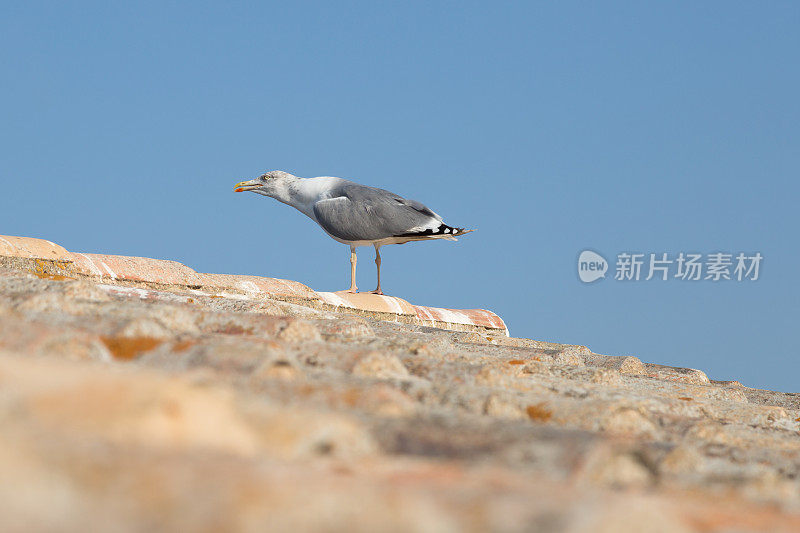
<point x="649" y="127"/>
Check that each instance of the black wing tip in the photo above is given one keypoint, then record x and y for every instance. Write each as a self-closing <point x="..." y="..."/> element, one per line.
<point x="443" y="229"/>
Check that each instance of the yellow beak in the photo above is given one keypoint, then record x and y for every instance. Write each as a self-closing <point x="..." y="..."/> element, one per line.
<point x="243" y="186"/>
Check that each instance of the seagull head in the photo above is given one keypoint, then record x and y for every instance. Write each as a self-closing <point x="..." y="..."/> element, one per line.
<point x="265" y="183"/>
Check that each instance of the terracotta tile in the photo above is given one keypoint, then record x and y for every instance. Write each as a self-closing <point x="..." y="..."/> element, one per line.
<point x="474" y="317"/>
<point x="119" y="267"/>
<point x="368" y="302"/>
<point x="257" y="286"/>
<point x="30" y="248"/>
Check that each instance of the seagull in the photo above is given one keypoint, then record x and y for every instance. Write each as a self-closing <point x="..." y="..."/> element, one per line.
<point x="354" y="214"/>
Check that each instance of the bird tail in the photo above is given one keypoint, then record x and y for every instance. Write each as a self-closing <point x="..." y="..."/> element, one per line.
<point x="442" y="232"/>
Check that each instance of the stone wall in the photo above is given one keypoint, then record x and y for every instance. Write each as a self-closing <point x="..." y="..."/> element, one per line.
<point x="163" y="399"/>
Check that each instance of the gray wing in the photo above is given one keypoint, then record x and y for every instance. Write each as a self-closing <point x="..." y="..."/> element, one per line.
<point x="360" y="213"/>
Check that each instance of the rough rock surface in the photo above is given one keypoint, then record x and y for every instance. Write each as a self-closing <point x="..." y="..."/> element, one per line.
<point x="130" y="409"/>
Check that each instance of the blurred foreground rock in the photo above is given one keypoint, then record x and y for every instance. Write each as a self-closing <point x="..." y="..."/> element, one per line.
<point x="185" y="405"/>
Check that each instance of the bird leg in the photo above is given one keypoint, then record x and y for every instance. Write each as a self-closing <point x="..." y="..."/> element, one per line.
<point x="378" y="264"/>
<point x="353" y="260"/>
